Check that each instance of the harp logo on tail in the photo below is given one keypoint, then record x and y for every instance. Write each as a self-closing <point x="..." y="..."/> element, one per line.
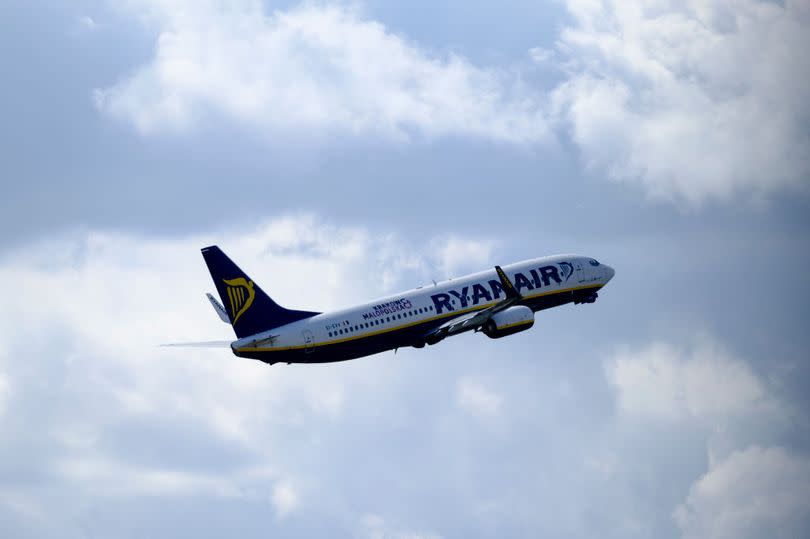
<point x="240" y="296"/>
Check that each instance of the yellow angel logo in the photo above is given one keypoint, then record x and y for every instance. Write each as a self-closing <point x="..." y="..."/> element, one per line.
<point x="240" y="295"/>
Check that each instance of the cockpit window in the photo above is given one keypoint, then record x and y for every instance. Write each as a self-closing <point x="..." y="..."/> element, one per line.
<point x="594" y="262"/>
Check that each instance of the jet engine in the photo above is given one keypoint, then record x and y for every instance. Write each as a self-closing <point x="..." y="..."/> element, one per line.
<point x="508" y="321"/>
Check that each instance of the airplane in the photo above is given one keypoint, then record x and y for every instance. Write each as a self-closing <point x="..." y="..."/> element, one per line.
<point x="497" y="302"/>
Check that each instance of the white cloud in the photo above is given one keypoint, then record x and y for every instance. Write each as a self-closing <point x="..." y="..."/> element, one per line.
<point x="155" y="288"/>
<point x="119" y="418"/>
<point x="92" y="308"/>
<point x="313" y="66"/>
<point x="748" y="490"/>
<point x="476" y="399"/>
<point x="693" y="101"/>
<point x="375" y="527"/>
<point x="457" y="256"/>
<point x="756" y="492"/>
<point x="540" y="55"/>
<point x="109" y="477"/>
<point x="701" y="382"/>
<point x="285" y="499"/>
<point x="87" y="23"/>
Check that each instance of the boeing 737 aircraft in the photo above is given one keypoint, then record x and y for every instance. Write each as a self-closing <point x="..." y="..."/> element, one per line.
<point x="497" y="302"/>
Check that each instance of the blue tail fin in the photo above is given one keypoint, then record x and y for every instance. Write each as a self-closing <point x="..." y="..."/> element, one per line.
<point x="249" y="309"/>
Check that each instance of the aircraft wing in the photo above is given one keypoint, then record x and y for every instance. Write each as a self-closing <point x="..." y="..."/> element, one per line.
<point x="474" y="321"/>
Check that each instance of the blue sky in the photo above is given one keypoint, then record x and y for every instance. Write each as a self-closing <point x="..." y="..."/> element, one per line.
<point x="343" y="151"/>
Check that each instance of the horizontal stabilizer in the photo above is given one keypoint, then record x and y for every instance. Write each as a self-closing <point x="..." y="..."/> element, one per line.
<point x="204" y="344"/>
<point x="223" y="314"/>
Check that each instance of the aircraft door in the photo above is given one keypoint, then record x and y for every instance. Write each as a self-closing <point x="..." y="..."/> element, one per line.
<point x="308" y="341"/>
<point x="579" y="273"/>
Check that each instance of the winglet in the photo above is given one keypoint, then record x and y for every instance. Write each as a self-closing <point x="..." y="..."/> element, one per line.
<point x="223" y="314"/>
<point x="507" y="285"/>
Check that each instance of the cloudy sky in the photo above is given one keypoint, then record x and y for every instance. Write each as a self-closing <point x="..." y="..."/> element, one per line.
<point x="340" y="151"/>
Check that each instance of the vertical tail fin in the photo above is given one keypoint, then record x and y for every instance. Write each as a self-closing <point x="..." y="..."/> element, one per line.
<point x="249" y="309"/>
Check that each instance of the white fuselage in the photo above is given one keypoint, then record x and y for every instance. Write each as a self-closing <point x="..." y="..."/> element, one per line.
<point x="399" y="319"/>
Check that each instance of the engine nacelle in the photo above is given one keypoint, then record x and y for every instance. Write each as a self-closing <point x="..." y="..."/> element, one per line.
<point x="509" y="321"/>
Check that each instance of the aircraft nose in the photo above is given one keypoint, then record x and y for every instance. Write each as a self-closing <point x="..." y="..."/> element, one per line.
<point x="609" y="272"/>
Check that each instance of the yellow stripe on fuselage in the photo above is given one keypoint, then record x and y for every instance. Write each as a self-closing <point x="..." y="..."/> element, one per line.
<point x="403" y="326"/>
